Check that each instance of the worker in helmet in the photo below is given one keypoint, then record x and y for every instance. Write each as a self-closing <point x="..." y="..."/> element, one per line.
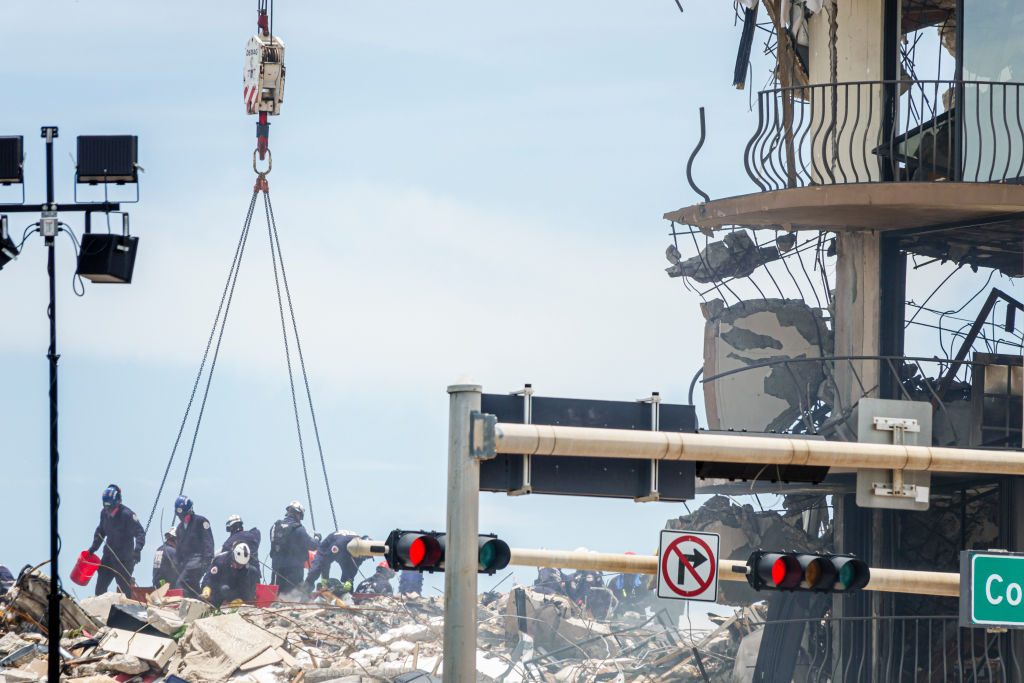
<point x="124" y="537"/>
<point x="550" y="581"/>
<point x="290" y="544"/>
<point x="586" y="589"/>
<point x="334" y="548"/>
<point x="237" y="533"/>
<point x="165" y="566"/>
<point x="195" y="547"/>
<point x="229" y="578"/>
<point x="629" y="590"/>
<point x="379" y="583"/>
<point x="410" y="582"/>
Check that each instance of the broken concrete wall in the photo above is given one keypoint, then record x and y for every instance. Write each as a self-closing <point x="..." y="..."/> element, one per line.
<point x="770" y="398"/>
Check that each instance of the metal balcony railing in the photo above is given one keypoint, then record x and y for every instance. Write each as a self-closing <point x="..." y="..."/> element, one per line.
<point x="900" y="648"/>
<point x="813" y="387"/>
<point x="838" y="133"/>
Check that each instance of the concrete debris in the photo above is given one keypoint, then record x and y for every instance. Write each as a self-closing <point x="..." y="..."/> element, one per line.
<point x="525" y="635"/>
<point x="752" y="333"/>
<point x="736" y="255"/>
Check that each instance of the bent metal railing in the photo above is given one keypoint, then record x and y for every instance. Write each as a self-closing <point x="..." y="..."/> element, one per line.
<point x="906" y="648"/>
<point x="817" y="406"/>
<point x="839" y="133"/>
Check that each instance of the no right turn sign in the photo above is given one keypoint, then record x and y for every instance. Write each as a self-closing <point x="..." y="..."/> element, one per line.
<point x="688" y="565"/>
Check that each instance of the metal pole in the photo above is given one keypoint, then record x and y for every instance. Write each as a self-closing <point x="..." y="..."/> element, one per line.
<point x="643" y="445"/>
<point x="461" y="542"/>
<point x="883" y="580"/>
<point x="53" y="625"/>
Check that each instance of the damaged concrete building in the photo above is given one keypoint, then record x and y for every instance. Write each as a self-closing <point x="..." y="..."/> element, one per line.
<point x="888" y="158"/>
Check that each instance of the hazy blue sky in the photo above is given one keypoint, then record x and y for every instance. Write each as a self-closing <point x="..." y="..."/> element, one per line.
<point x="461" y="187"/>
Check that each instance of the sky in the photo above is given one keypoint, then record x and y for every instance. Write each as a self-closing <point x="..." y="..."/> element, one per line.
<point x="461" y="189"/>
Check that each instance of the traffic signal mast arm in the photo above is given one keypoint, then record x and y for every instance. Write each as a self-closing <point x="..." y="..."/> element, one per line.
<point x="532" y="439"/>
<point x="884" y="580"/>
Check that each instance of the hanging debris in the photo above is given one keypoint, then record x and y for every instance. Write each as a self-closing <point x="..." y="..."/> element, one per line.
<point x="734" y="256"/>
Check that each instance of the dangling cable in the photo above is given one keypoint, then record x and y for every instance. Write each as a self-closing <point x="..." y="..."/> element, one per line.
<point x="216" y="348"/>
<point x="228" y="286"/>
<point x="302" y="362"/>
<point x="288" y="359"/>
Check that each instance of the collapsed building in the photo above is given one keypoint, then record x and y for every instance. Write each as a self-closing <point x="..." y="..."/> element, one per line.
<point x="888" y="159"/>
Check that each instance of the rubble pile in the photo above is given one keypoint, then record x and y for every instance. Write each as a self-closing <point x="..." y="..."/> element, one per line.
<point x="523" y="636"/>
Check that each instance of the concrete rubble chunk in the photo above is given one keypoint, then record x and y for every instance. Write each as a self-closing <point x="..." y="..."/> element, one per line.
<point x="125" y="664"/>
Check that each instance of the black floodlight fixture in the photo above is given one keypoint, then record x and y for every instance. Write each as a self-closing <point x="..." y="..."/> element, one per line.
<point x="108" y="159"/>
<point x="8" y="250"/>
<point x="106" y="257"/>
<point x="11" y="160"/>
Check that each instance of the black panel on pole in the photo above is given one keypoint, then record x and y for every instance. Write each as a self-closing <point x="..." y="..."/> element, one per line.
<point x="602" y="477"/>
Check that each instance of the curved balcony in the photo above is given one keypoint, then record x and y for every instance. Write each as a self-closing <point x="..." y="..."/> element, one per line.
<point x="842" y="133"/>
<point x="943" y="156"/>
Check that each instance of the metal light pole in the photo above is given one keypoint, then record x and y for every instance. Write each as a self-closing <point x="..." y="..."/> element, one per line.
<point x="53" y="627"/>
<point x="460" y="571"/>
<point x="49" y="227"/>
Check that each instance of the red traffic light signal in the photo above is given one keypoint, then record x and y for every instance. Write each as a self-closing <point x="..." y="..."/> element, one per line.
<point x="418" y="550"/>
<point x="818" y="572"/>
<point x="425" y="550"/>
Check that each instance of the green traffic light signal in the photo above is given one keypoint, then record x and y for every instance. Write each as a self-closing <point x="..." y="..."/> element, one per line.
<point x="493" y="554"/>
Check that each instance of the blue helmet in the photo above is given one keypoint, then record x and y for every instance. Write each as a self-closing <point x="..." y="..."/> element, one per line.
<point x="111" y="497"/>
<point x="182" y="506"/>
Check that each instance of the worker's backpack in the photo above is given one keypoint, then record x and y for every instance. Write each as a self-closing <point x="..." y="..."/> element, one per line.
<point x="280" y="534"/>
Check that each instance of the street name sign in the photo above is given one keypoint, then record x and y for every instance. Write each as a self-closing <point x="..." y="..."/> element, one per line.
<point x="688" y="565"/>
<point x="991" y="589"/>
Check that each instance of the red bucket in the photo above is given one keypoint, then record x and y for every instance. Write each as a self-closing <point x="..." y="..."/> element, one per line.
<point x="85" y="567"/>
<point x="265" y="594"/>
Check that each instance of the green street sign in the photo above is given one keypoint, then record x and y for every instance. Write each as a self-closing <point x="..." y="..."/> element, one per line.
<point x="991" y="588"/>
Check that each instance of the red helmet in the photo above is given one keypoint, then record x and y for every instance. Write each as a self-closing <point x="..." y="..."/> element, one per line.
<point x="384" y="564"/>
<point x="630" y="552"/>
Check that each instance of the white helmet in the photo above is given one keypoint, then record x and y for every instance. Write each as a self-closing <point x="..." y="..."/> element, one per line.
<point x="172" y="532"/>
<point x="241" y="553"/>
<point x="296" y="507"/>
<point x="232" y="520"/>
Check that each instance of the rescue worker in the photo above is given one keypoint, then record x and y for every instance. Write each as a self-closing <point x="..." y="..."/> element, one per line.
<point x="290" y="544"/>
<point x="629" y="589"/>
<point x="229" y="578"/>
<point x="334" y="548"/>
<point x="550" y="581"/>
<point x="195" y="547"/>
<point x="586" y="589"/>
<point x="6" y="580"/>
<point x="410" y="582"/>
<point x="165" y="566"/>
<point x="379" y="583"/>
<point x="124" y="540"/>
<point x="237" y="533"/>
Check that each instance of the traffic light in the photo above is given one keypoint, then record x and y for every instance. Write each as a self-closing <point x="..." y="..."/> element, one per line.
<point x="416" y="550"/>
<point x="424" y="551"/>
<point x="818" y="572"/>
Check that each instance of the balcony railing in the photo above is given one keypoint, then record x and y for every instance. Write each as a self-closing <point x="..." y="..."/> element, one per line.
<point x="838" y="133"/>
<point x="965" y="414"/>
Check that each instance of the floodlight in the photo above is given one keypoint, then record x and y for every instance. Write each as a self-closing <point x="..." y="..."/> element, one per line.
<point x="106" y="257"/>
<point x="10" y="159"/>
<point x="108" y="159"/>
<point x="8" y="250"/>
